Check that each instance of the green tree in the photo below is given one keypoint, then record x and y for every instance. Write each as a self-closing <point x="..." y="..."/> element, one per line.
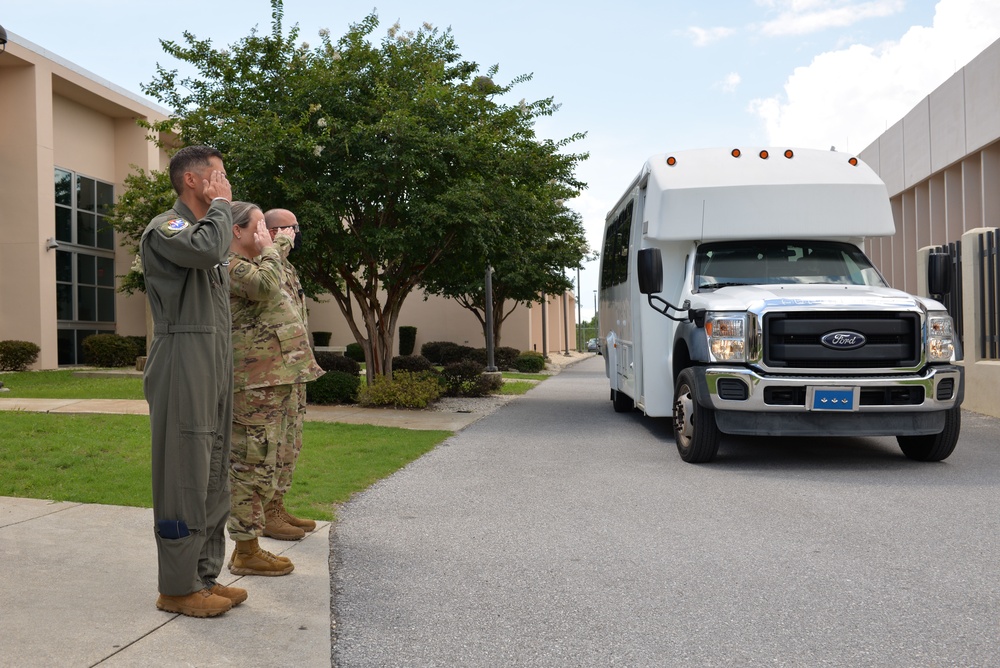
<point x="539" y="238"/>
<point x="385" y="151"/>
<point x="146" y="195"/>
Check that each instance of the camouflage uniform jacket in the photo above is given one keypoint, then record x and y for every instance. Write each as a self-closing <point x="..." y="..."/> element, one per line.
<point x="291" y="286"/>
<point x="270" y="341"/>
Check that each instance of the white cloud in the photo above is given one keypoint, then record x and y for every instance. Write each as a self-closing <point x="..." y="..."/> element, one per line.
<point x="849" y="97"/>
<point x="730" y="83"/>
<point x="706" y="36"/>
<point x="800" y="17"/>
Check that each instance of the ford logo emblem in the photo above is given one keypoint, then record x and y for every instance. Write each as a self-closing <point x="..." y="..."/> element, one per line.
<point x="844" y="340"/>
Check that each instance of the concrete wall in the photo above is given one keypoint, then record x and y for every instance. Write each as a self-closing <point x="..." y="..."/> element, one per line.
<point x="941" y="165"/>
<point x="440" y="319"/>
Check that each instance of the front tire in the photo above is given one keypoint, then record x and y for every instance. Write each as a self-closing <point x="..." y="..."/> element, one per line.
<point x="622" y="402"/>
<point x="934" y="447"/>
<point x="695" y="432"/>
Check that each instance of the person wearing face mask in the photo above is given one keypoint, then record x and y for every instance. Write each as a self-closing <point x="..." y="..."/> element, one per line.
<point x="271" y="354"/>
<point x="280" y="523"/>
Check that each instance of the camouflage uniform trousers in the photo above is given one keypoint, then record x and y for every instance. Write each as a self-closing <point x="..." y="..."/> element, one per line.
<point x="260" y="422"/>
<point x="291" y="445"/>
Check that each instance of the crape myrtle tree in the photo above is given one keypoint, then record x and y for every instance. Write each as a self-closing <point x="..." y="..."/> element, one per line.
<point x="146" y="195"/>
<point x="532" y="242"/>
<point x="385" y="150"/>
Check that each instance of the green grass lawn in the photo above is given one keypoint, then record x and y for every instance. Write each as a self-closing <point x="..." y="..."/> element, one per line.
<point x="514" y="375"/>
<point x="106" y="459"/>
<point x="63" y="384"/>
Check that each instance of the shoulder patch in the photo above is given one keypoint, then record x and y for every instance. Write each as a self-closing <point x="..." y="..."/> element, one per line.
<point x="172" y="227"/>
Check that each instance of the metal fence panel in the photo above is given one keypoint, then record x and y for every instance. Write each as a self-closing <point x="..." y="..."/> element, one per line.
<point x="988" y="274"/>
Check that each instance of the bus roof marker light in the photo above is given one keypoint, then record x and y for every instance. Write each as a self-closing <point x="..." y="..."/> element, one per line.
<point x="764" y="155"/>
<point x="789" y="154"/>
<point x="736" y="153"/>
<point x="671" y="161"/>
<point x="853" y="161"/>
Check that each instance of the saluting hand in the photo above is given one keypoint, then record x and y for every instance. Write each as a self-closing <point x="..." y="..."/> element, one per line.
<point x="217" y="185"/>
<point x="262" y="238"/>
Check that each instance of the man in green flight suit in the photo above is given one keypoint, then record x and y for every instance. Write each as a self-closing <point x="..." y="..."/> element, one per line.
<point x="188" y="383"/>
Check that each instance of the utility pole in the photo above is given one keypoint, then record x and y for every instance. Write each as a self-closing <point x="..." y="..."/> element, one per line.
<point x="565" y="325"/>
<point x="579" y="314"/>
<point x="545" y="328"/>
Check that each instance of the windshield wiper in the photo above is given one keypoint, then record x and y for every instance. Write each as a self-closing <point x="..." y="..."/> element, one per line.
<point x="712" y="286"/>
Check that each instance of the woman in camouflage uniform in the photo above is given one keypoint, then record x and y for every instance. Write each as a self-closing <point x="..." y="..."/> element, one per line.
<point x="270" y="354"/>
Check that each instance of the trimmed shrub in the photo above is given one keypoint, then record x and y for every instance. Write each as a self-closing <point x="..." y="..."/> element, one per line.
<point x="456" y="353"/>
<point x="334" y="387"/>
<point x="332" y="362"/>
<point x="138" y="345"/>
<point x="321" y="339"/>
<point x="109" y="350"/>
<point x="18" y="355"/>
<point x="504" y="357"/>
<point x="407" y="389"/>
<point x="478" y="355"/>
<point x="355" y="352"/>
<point x="433" y="350"/>
<point x="529" y="362"/>
<point x="407" y="339"/>
<point x="411" y="363"/>
<point x="466" y="379"/>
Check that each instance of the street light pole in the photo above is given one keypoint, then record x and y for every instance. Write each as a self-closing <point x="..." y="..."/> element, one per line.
<point x="488" y="302"/>
<point x="579" y="314"/>
<point x="545" y="329"/>
<point x="596" y="332"/>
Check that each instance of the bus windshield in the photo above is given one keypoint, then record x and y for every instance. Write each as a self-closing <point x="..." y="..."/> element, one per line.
<point x="722" y="264"/>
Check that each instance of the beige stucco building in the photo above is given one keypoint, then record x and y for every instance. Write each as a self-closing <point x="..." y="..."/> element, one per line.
<point x="68" y="139"/>
<point x="941" y="164"/>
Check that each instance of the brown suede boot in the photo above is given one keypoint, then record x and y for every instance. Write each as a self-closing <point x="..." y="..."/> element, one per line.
<point x="234" y="594"/>
<point x="277" y="557"/>
<point x="196" y="604"/>
<point x="276" y="527"/>
<point x="304" y="524"/>
<point x="249" y="559"/>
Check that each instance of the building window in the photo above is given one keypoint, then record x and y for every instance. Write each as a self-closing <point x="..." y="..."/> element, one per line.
<point x="85" y="262"/>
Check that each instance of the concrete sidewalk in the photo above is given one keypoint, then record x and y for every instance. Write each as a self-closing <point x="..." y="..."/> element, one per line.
<point x="79" y="581"/>
<point x="382" y="417"/>
<point x="79" y="588"/>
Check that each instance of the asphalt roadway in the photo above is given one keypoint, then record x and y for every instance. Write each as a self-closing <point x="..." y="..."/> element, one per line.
<point x="556" y="532"/>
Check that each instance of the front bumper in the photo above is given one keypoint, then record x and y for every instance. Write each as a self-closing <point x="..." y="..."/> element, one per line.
<point x="776" y="405"/>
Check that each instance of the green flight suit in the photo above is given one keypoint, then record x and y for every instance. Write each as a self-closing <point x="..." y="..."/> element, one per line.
<point x="188" y="383"/>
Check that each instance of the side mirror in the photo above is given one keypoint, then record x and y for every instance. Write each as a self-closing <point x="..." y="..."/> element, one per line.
<point x="649" y="267"/>
<point x="939" y="273"/>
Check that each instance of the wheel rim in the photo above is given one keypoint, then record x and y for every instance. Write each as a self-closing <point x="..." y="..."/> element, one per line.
<point x="683" y="408"/>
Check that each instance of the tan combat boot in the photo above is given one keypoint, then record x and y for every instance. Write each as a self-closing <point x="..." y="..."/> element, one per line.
<point x="277" y="557"/>
<point x="249" y="559"/>
<point x="304" y="524"/>
<point x="234" y="594"/>
<point x="196" y="604"/>
<point x="276" y="526"/>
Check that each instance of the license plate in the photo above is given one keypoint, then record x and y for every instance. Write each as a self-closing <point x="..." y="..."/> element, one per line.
<point x="833" y="398"/>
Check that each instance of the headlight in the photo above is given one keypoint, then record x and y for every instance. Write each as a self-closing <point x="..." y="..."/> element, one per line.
<point x="940" y="338"/>
<point x="726" y="337"/>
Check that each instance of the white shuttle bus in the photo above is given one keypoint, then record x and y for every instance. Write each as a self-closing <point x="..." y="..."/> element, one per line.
<point x="735" y="297"/>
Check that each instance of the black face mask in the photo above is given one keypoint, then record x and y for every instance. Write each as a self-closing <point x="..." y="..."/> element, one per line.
<point x="297" y="242"/>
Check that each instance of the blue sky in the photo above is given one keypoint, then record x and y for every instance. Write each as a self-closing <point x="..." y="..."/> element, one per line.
<point x="639" y="77"/>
